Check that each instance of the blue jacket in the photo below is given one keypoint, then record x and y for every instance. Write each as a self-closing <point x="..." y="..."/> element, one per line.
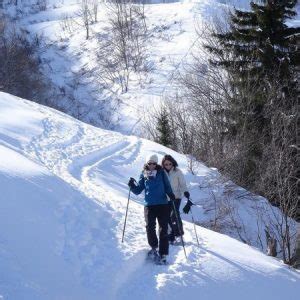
<point x="156" y="188"/>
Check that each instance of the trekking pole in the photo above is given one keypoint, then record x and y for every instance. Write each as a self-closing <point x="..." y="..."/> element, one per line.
<point x="126" y="215"/>
<point x="177" y="221"/>
<point x="195" y="227"/>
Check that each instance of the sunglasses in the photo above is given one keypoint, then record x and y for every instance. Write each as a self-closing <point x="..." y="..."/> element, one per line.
<point x="151" y="163"/>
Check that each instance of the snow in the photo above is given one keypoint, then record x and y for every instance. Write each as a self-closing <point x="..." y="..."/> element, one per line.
<point x="70" y="61"/>
<point x="64" y="183"/>
<point x="17" y="166"/>
<point x="31" y="264"/>
<point x="63" y="197"/>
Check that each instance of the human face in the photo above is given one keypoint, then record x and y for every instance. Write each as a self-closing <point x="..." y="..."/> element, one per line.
<point x="151" y="165"/>
<point x="168" y="165"/>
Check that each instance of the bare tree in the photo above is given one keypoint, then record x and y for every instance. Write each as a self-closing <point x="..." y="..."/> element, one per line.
<point x="278" y="168"/>
<point x="67" y="24"/>
<point x="95" y="10"/>
<point x="42" y="4"/>
<point x="20" y="72"/>
<point x="85" y="17"/>
<point x="209" y="123"/>
<point x="123" y="50"/>
<point x="198" y="119"/>
<point x="271" y="244"/>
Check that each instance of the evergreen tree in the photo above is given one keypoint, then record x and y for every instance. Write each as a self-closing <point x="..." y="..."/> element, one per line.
<point x="260" y="46"/>
<point x="163" y="128"/>
<point x="258" y="50"/>
<point x="259" y="41"/>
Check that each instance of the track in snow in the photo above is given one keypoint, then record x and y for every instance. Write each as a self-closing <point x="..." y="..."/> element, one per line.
<point x="88" y="228"/>
<point x="98" y="166"/>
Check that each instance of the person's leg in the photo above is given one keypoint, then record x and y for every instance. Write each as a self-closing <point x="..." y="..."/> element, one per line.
<point x="163" y="215"/>
<point x="150" y="219"/>
<point x="177" y="205"/>
<point x="176" y="231"/>
<point x="171" y="235"/>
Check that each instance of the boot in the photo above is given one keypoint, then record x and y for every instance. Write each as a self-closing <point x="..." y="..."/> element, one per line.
<point x="162" y="260"/>
<point x="153" y="254"/>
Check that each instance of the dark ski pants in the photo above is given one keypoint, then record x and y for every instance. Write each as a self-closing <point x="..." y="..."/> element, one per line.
<point x="162" y="214"/>
<point x="176" y="229"/>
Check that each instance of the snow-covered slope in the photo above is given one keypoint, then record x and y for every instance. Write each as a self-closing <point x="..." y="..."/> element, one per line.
<point x="70" y="61"/>
<point x="38" y="211"/>
<point x="71" y="64"/>
<point x="62" y="203"/>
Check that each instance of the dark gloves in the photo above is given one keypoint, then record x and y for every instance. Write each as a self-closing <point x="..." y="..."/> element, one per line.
<point x="172" y="197"/>
<point x="187" y="207"/>
<point x="131" y="183"/>
<point x="186" y="195"/>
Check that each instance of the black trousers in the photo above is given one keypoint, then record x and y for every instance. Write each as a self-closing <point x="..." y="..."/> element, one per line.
<point x="176" y="229"/>
<point x="161" y="213"/>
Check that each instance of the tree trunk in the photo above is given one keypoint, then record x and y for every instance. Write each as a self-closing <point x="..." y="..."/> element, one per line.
<point x="271" y="244"/>
<point x="296" y="257"/>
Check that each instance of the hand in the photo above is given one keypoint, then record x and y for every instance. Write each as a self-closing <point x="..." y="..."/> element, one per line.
<point x="186" y="195"/>
<point x="131" y="183"/>
<point x="187" y="207"/>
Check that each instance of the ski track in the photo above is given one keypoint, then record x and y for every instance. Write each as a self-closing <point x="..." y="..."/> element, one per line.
<point x="97" y="164"/>
<point x="82" y="165"/>
<point x="94" y="164"/>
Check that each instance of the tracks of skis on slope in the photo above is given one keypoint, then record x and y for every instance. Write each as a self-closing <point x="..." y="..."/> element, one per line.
<point x="89" y="160"/>
<point x="75" y="153"/>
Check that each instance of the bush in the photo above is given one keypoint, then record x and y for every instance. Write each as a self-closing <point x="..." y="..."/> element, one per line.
<point x="20" y="73"/>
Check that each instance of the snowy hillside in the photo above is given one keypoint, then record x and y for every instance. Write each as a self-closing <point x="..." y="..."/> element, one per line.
<point x="71" y="64"/>
<point x="62" y="204"/>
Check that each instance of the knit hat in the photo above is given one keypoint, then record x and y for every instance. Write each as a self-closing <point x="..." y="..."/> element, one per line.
<point x="152" y="157"/>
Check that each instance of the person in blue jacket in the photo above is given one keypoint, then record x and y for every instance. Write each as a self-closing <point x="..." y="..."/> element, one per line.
<point x="155" y="182"/>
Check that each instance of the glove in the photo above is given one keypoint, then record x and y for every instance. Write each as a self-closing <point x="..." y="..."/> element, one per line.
<point x="172" y="197"/>
<point x="187" y="207"/>
<point x="186" y="195"/>
<point x="131" y="183"/>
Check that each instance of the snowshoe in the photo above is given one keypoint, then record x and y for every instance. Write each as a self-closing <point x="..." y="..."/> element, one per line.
<point x="176" y="241"/>
<point x="171" y="237"/>
<point x="162" y="260"/>
<point x="153" y="255"/>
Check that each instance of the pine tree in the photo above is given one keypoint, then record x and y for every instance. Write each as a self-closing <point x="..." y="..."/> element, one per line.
<point x="259" y="41"/>
<point x="258" y="50"/>
<point x="260" y="46"/>
<point x="163" y="128"/>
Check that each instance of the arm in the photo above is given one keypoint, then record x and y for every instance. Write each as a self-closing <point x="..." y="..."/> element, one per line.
<point x="182" y="182"/>
<point x="168" y="187"/>
<point x="140" y="186"/>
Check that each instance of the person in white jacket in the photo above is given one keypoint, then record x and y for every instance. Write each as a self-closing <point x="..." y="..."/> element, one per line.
<point x="179" y="189"/>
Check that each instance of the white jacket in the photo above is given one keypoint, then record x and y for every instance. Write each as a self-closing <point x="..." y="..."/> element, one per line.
<point x="178" y="182"/>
